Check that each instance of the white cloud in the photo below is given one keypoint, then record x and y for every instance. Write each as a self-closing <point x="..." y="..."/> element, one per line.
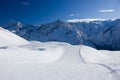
<point x="25" y="3"/>
<point x="87" y="20"/>
<point x="73" y="15"/>
<point x="107" y="10"/>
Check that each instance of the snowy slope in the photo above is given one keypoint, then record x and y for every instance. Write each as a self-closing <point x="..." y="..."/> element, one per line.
<point x="35" y="52"/>
<point x="107" y="59"/>
<point x="29" y="62"/>
<point x="7" y="38"/>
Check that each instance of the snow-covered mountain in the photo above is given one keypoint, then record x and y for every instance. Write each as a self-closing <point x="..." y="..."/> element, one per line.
<point x="56" y="31"/>
<point x="71" y="32"/>
<point x="108" y="38"/>
<point x="20" y="29"/>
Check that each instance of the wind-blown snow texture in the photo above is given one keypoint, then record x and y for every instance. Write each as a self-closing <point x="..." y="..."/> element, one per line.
<point x="100" y="34"/>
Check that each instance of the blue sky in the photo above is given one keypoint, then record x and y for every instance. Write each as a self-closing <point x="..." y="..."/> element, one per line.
<point x="44" y="11"/>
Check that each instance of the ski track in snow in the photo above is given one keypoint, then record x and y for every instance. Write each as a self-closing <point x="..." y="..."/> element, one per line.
<point x="115" y="72"/>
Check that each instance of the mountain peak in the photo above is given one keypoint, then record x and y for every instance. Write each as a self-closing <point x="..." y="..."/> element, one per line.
<point x="58" y="21"/>
<point x="14" y="24"/>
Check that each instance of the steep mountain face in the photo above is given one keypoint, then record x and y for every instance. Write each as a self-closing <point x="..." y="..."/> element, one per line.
<point x="56" y="31"/>
<point x="14" y="27"/>
<point x="108" y="39"/>
<point x="98" y="34"/>
<point x="93" y="27"/>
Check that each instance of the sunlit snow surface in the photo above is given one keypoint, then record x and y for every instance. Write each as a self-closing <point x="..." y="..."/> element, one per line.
<point x="58" y="61"/>
<point x="9" y="39"/>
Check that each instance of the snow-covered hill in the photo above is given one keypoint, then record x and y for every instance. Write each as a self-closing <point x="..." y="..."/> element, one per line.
<point x="61" y="61"/>
<point x="24" y="60"/>
<point x="8" y="38"/>
<point x="87" y="33"/>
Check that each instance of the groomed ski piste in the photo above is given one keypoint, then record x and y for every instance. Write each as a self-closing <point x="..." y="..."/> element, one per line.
<point x="34" y="60"/>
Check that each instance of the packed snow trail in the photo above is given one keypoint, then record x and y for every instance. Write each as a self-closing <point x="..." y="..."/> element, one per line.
<point x="71" y="54"/>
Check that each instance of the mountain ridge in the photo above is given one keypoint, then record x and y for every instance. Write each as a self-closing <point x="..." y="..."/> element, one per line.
<point x="73" y="33"/>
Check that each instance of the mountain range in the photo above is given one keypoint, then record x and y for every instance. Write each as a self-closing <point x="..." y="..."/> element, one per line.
<point x="100" y="34"/>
